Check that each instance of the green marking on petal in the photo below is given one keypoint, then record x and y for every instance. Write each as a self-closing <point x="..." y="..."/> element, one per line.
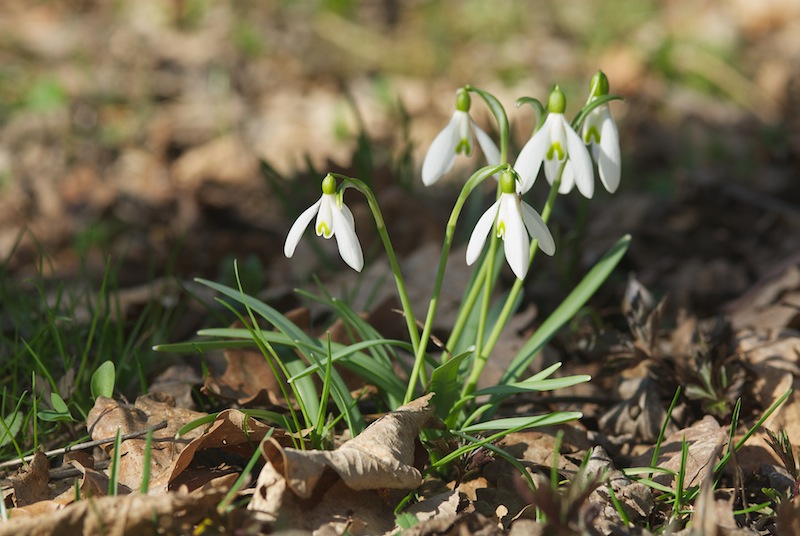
<point x="554" y="149"/>
<point x="501" y="229"/>
<point x="323" y="230"/>
<point x="464" y="147"/>
<point x="592" y="135"/>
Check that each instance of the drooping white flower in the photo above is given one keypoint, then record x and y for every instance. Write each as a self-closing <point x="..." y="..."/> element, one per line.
<point x="556" y="144"/>
<point x="456" y="138"/>
<point x="514" y="221"/>
<point x="333" y="219"/>
<point x="600" y="133"/>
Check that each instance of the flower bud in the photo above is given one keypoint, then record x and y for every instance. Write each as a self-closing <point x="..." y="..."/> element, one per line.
<point x="598" y="86"/>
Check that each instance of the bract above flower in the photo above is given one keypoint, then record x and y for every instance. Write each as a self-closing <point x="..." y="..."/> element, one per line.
<point x="513" y="221"/>
<point x="333" y="219"/>
<point x="456" y="138"/>
<point x="599" y="132"/>
<point x="556" y="145"/>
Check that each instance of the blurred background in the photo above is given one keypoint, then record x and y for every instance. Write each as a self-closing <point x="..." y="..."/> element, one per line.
<point x="173" y="136"/>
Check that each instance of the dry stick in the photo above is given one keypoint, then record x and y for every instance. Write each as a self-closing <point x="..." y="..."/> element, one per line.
<point x="82" y="446"/>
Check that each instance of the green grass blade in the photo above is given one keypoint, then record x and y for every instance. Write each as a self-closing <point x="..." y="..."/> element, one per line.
<point x="446" y="385"/>
<point x="529" y="386"/>
<point x="113" y="480"/>
<point x="148" y="451"/>
<point x="305" y="386"/>
<point x="571" y="305"/>
<point x="522" y="423"/>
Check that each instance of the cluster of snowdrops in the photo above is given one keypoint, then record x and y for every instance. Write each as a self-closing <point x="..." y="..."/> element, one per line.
<point x="568" y="151"/>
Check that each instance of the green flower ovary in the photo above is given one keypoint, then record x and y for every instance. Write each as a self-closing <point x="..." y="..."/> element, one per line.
<point x="329" y="184"/>
<point x="557" y="101"/>
<point x="508" y="182"/>
<point x="463" y="100"/>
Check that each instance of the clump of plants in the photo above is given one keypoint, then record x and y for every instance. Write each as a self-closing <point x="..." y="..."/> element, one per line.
<point x="511" y="229"/>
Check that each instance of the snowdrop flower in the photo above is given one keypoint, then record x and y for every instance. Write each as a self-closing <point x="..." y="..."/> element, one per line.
<point x="513" y="221"/>
<point x="333" y="219"/>
<point x="600" y="133"/>
<point x="456" y="138"/>
<point x="556" y="144"/>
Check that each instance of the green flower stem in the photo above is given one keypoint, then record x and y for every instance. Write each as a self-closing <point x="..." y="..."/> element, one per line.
<point x="467" y="305"/>
<point x="488" y="285"/>
<point x="500" y="116"/>
<point x="411" y="322"/>
<point x="419" y="357"/>
<point x="482" y="357"/>
<point x="487" y="268"/>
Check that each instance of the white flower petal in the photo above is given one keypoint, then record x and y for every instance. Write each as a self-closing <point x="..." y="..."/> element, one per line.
<point x="515" y="240"/>
<point x="567" y="180"/>
<point x="298" y="227"/>
<point x="590" y="125"/>
<point x="464" y="133"/>
<point x="530" y="157"/>
<point x="346" y="239"/>
<point x="551" y="168"/>
<point x="441" y="153"/>
<point x="478" y="237"/>
<point x="348" y="214"/>
<point x="488" y="146"/>
<point x="581" y="162"/>
<point x="538" y="228"/>
<point x="324" y="225"/>
<point x="609" y="162"/>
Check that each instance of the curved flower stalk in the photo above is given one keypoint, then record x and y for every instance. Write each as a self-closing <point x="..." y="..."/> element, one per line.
<point x="600" y="133"/>
<point x="514" y="221"/>
<point x="457" y="138"/>
<point x="333" y="219"/>
<point x="556" y="144"/>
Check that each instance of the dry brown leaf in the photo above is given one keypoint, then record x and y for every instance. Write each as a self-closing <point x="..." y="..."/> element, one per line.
<point x="537" y="446"/>
<point x="714" y="517"/>
<point x="789" y="517"/>
<point x="443" y="507"/>
<point x="787" y="416"/>
<point x="463" y="524"/>
<point x="704" y="438"/>
<point x="30" y="484"/>
<point x="108" y="415"/>
<point x="179" y="382"/>
<point x="635" y="497"/>
<point x="638" y="417"/>
<point x="172" y="513"/>
<point x="773" y="303"/>
<point x="231" y="439"/>
<point x="35" y="509"/>
<point x="323" y="484"/>
<point x="225" y="159"/>
<point x="247" y="379"/>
